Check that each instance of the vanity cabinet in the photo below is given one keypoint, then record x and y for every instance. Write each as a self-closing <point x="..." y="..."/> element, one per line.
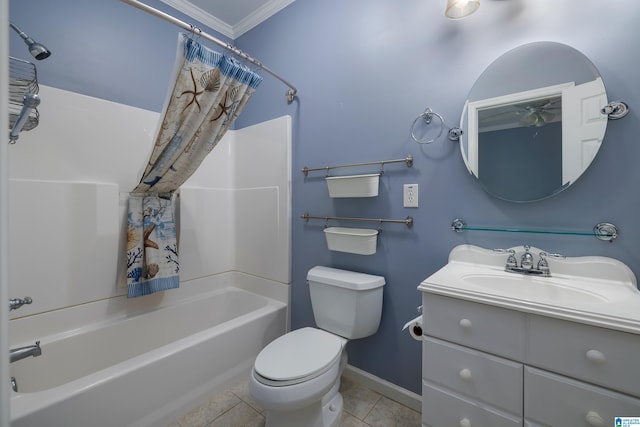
<point x="488" y="366"/>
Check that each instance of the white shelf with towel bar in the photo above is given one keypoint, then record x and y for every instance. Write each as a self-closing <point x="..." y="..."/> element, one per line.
<point x="362" y="241"/>
<point x="363" y="185"/>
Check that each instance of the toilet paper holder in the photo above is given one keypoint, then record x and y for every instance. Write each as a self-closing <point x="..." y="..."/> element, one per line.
<point x="415" y="326"/>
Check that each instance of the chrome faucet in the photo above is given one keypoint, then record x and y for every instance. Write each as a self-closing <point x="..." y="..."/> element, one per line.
<point x="24" y="352"/>
<point x="526" y="262"/>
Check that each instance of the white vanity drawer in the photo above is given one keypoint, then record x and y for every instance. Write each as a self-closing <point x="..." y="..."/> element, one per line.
<point x="484" y="327"/>
<point x="601" y="356"/>
<point x="441" y="408"/>
<point x="552" y="400"/>
<point x="486" y="378"/>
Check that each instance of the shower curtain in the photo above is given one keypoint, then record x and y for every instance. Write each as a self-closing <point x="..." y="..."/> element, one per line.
<point x="209" y="92"/>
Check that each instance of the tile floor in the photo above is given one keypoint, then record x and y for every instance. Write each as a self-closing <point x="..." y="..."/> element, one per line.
<point x="362" y="408"/>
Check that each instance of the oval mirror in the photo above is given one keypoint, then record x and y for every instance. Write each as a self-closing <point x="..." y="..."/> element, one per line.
<point x="532" y="122"/>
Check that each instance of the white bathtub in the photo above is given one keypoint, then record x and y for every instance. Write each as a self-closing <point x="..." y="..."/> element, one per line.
<point x="139" y="367"/>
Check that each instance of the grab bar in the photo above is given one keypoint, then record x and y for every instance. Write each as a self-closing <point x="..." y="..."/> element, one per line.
<point x="30" y="102"/>
<point x="408" y="160"/>
<point x="408" y="221"/>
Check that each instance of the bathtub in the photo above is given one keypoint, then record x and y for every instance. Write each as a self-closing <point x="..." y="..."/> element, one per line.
<point x="137" y="366"/>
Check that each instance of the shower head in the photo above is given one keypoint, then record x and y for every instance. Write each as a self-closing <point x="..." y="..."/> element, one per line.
<point x="36" y="49"/>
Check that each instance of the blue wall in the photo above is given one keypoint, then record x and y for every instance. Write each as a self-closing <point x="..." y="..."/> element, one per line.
<point x="104" y="49"/>
<point x="365" y="70"/>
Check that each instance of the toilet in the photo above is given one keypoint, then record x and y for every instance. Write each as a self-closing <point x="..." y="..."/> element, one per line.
<point x="296" y="378"/>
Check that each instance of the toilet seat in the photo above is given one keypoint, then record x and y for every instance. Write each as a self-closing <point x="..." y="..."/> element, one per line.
<point x="298" y="356"/>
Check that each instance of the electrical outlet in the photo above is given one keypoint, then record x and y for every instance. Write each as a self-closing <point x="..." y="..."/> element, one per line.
<point x="410" y="195"/>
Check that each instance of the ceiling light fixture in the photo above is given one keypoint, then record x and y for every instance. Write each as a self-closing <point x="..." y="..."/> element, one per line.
<point x="457" y="9"/>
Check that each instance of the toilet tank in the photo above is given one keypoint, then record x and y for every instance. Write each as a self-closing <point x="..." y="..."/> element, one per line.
<point x="346" y="303"/>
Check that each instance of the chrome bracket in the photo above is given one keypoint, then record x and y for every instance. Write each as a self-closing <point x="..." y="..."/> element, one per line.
<point x="291" y="94"/>
<point x="455" y="134"/>
<point x="457" y="225"/>
<point x="605" y="231"/>
<point x="615" y="110"/>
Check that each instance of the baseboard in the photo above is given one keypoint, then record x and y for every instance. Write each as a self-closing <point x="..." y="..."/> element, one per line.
<point x="387" y="389"/>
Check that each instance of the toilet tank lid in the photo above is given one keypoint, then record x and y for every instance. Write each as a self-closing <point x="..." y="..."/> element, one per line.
<point x="345" y="278"/>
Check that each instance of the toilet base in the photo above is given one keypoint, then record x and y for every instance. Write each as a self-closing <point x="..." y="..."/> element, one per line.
<point x="325" y="413"/>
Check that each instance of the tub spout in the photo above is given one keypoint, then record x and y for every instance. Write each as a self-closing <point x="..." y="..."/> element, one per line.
<point x="23" y="352"/>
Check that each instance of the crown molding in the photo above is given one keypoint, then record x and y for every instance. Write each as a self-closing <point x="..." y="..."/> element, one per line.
<point x="232" y="31"/>
<point x="259" y="15"/>
<point x="200" y="15"/>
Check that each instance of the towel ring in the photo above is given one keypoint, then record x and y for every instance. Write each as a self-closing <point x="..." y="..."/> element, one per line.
<point x="427" y="117"/>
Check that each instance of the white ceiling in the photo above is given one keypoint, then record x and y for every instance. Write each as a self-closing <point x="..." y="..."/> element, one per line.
<point x="231" y="18"/>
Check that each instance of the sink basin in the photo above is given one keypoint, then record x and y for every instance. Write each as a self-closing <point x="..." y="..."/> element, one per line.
<point x="531" y="287"/>
<point x="593" y="290"/>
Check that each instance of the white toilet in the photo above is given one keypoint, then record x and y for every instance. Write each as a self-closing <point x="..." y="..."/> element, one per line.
<point x="296" y="378"/>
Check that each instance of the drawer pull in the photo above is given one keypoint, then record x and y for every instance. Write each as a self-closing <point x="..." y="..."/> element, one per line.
<point x="465" y="375"/>
<point x="596" y="356"/>
<point x="465" y="422"/>
<point x="466" y="324"/>
<point x="595" y="420"/>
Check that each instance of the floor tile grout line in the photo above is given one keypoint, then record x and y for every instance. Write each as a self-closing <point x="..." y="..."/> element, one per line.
<point x="372" y="408"/>
<point x="222" y="414"/>
<point x="258" y="410"/>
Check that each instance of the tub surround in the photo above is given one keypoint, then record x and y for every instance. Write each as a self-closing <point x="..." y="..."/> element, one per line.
<point x="77" y="211"/>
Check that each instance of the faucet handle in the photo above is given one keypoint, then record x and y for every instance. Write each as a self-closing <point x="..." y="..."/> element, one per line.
<point x="511" y="259"/>
<point x="505" y="251"/>
<point x="546" y="254"/>
<point x="543" y="265"/>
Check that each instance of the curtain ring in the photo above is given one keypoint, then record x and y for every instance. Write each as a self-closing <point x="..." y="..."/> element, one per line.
<point x="427" y="117"/>
<point x="194" y="32"/>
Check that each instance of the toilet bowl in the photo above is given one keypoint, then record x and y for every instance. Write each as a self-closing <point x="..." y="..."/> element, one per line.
<point x="296" y="388"/>
<point x="296" y="378"/>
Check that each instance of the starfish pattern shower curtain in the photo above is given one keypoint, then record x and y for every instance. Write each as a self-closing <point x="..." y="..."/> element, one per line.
<point x="209" y="92"/>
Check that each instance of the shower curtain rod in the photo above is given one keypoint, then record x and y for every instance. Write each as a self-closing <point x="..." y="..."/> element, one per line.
<point x="291" y="93"/>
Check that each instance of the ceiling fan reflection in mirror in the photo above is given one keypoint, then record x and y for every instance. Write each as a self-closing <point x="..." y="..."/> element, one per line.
<point x="522" y="114"/>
